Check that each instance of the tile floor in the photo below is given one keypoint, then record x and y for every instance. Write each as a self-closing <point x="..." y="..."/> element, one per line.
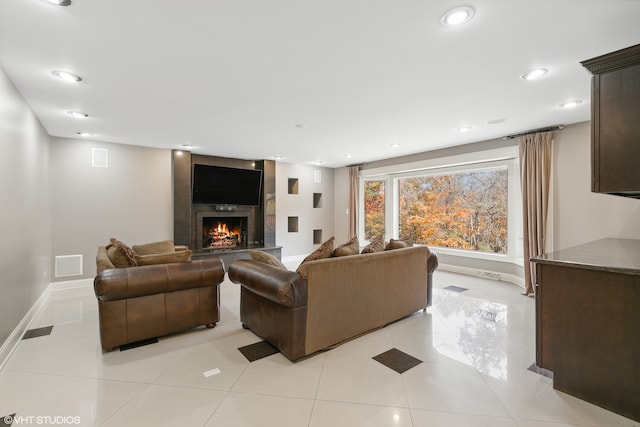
<point x="475" y="349"/>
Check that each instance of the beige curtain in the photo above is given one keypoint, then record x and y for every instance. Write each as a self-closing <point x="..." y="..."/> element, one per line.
<point x="535" y="169"/>
<point x="353" y="200"/>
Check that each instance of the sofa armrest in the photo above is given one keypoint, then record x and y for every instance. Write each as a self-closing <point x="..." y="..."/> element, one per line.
<point x="432" y="264"/>
<point x="283" y="287"/>
<point x="102" y="260"/>
<point x="122" y="283"/>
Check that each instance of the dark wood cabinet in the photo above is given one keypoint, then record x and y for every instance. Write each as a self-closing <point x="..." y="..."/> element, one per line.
<point x="588" y="322"/>
<point x="615" y="122"/>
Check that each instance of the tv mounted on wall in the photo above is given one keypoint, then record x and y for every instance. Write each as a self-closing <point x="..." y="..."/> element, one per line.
<point x="218" y="185"/>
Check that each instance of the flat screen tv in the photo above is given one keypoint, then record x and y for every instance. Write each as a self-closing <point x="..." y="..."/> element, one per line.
<point x="218" y="185"/>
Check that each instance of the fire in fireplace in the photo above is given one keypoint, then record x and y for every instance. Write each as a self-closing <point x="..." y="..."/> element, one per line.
<point x="224" y="232"/>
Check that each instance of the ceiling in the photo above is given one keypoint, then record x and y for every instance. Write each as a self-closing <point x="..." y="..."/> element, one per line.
<point x="307" y="80"/>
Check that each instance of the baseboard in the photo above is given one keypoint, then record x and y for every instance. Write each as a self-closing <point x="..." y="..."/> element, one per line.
<point x="71" y="284"/>
<point x="485" y="274"/>
<point x="14" y="338"/>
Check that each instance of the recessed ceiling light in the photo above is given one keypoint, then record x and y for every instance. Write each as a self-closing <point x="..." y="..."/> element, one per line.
<point x="77" y="114"/>
<point x="278" y="157"/>
<point x="187" y="145"/>
<point x="59" y="2"/>
<point x="534" y="74"/>
<point x="457" y="16"/>
<point x="84" y="134"/>
<point x="67" y="76"/>
<point x="464" y="128"/>
<point x="318" y="162"/>
<point x="395" y="145"/>
<point x="495" y="121"/>
<point x="348" y="155"/>
<point x="570" y="104"/>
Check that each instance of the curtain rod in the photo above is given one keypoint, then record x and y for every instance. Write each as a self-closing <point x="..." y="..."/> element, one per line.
<point x="529" y="132"/>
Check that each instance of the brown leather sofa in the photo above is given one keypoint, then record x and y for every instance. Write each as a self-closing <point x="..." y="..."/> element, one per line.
<point x="147" y="301"/>
<point x="334" y="299"/>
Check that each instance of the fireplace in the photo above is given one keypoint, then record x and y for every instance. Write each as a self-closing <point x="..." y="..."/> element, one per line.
<point x="224" y="232"/>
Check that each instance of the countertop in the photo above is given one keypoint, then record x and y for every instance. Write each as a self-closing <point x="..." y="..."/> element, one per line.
<point x="614" y="255"/>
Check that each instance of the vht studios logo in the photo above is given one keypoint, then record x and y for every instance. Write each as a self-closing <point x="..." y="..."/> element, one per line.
<point x="11" y="420"/>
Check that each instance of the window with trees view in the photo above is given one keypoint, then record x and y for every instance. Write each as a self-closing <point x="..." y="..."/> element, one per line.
<point x="374" y="209"/>
<point x="461" y="210"/>
<point x="466" y="205"/>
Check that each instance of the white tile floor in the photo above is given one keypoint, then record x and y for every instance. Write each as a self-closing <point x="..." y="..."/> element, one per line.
<point x="475" y="346"/>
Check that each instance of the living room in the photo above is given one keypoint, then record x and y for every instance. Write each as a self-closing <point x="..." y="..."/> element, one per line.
<point x="57" y="204"/>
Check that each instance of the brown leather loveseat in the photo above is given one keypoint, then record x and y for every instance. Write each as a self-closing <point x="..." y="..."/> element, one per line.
<point x="155" y="294"/>
<point x="332" y="300"/>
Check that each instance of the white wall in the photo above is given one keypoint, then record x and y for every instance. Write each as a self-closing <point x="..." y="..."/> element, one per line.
<point x="129" y="200"/>
<point x="25" y="216"/>
<point x="581" y="216"/>
<point x="301" y="205"/>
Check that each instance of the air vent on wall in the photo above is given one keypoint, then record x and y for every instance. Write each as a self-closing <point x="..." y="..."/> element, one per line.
<point x="68" y="265"/>
<point x="99" y="158"/>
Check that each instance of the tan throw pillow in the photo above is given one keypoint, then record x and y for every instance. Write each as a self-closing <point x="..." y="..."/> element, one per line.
<point x="376" y="245"/>
<point x="161" y="247"/>
<point x="167" y="258"/>
<point x="352" y="247"/>
<point x="324" y="251"/>
<point x="397" y="244"/>
<point x="266" y="258"/>
<point x="120" y="255"/>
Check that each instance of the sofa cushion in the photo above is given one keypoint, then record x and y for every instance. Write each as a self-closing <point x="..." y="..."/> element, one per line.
<point x="120" y="255"/>
<point x="166" y="258"/>
<point x="325" y="250"/>
<point x="266" y="258"/>
<point x="161" y="247"/>
<point x="397" y="244"/>
<point x="376" y="245"/>
<point x="352" y="247"/>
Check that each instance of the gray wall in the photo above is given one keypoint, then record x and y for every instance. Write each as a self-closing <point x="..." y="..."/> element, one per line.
<point x="25" y="216"/>
<point x="581" y="216"/>
<point x="129" y="200"/>
<point x="341" y="202"/>
<point x="301" y="205"/>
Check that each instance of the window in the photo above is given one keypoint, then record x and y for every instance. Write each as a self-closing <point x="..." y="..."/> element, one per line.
<point x="374" y="206"/>
<point x="466" y="205"/>
<point x="462" y="210"/>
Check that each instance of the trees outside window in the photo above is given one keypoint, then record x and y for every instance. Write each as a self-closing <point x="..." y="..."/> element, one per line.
<point x="463" y="210"/>
<point x="374" y="209"/>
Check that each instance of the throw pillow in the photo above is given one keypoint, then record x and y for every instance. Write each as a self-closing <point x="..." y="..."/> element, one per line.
<point x="397" y="244"/>
<point x="120" y="255"/>
<point x="324" y="251"/>
<point x="376" y="245"/>
<point x="166" y="258"/>
<point x="161" y="247"/>
<point x="266" y="258"/>
<point x="352" y="247"/>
